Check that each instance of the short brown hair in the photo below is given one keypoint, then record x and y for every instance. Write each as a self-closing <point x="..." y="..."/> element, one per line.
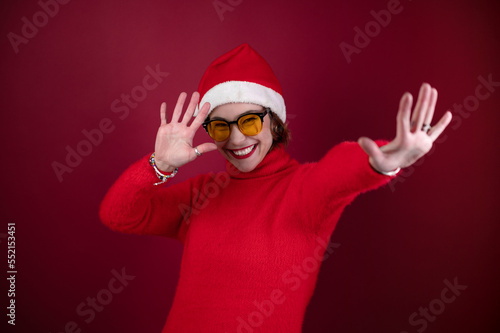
<point x="279" y="130"/>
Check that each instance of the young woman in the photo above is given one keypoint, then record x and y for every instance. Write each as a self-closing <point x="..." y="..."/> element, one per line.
<point x="255" y="235"/>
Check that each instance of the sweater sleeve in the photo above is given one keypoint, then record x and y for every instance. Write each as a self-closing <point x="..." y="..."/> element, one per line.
<point x="134" y="205"/>
<point x="332" y="183"/>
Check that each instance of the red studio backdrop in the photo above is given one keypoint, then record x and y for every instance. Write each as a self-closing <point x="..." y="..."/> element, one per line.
<point x="82" y="83"/>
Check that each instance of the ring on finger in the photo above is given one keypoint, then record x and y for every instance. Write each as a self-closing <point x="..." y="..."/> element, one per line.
<point x="426" y="128"/>
<point x="196" y="151"/>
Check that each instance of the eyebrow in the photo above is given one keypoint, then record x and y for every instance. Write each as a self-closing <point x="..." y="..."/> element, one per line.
<point x="241" y="114"/>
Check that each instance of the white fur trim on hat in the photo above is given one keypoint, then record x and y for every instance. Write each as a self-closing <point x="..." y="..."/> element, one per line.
<point x="244" y="92"/>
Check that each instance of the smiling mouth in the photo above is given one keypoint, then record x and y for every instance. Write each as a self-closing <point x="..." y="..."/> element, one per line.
<point x="243" y="153"/>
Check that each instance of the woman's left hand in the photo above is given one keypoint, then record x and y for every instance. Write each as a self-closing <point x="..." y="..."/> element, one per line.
<point x="413" y="139"/>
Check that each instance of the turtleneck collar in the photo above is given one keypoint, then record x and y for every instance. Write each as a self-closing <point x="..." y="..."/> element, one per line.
<point x="275" y="161"/>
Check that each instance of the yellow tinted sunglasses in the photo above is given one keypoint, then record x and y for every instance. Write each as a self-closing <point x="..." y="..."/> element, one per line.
<point x="249" y="124"/>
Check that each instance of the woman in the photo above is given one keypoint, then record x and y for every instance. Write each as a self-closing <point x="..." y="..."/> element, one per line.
<point x="255" y="236"/>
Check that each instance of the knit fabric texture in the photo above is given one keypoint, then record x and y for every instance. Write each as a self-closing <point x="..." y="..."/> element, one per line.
<point x="253" y="242"/>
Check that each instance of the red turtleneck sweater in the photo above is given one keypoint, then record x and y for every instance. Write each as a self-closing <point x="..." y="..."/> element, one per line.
<point x="253" y="242"/>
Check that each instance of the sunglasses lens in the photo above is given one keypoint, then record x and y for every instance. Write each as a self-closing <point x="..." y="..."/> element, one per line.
<point x="218" y="130"/>
<point x="250" y="124"/>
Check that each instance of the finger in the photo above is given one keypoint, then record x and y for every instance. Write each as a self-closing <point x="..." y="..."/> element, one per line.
<point x="437" y="129"/>
<point x="163" y="113"/>
<point x="403" y="117"/>
<point x="201" y="116"/>
<point x="431" y="107"/>
<point x="178" y="107"/>
<point x="420" y="108"/>
<point x="195" y="97"/>
<point x="206" y="147"/>
<point x="370" y="147"/>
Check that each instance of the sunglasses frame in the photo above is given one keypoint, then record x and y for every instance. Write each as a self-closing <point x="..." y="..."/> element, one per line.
<point x="261" y="115"/>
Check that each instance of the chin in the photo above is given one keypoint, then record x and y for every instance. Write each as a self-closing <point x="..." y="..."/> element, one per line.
<point x="244" y="165"/>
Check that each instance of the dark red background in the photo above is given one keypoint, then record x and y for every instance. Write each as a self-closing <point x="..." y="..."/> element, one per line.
<point x="398" y="244"/>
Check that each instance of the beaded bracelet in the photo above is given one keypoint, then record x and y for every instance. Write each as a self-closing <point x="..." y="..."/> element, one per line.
<point x="160" y="175"/>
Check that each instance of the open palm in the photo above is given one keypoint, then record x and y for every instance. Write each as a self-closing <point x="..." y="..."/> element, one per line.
<point x="174" y="140"/>
<point x="413" y="138"/>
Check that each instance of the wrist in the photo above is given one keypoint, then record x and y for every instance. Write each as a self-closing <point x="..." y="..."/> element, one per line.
<point x="162" y="175"/>
<point x="386" y="173"/>
<point x="164" y="168"/>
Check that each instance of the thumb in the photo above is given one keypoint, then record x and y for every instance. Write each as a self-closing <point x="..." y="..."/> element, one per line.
<point x="370" y="147"/>
<point x="206" y="147"/>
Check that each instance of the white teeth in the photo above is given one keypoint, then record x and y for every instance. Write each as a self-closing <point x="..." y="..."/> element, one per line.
<point x="243" y="152"/>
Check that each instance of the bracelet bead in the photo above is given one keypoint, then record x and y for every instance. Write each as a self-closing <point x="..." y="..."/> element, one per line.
<point x="162" y="177"/>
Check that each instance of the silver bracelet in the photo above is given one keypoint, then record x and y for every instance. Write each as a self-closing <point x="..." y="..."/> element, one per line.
<point x="160" y="175"/>
<point x="389" y="173"/>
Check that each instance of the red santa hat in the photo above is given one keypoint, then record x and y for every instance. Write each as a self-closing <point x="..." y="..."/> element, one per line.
<point x="241" y="76"/>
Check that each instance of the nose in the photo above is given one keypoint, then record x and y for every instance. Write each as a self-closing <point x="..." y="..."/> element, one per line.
<point x="236" y="137"/>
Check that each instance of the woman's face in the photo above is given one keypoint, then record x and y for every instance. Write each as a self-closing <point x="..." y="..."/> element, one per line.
<point x="244" y="152"/>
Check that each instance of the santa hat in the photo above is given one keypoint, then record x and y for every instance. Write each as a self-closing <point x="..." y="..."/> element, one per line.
<point x="241" y="76"/>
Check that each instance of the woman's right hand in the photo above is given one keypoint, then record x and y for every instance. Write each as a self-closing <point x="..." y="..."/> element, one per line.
<point x="174" y="140"/>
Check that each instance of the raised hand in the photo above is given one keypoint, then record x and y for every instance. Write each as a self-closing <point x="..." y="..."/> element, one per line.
<point x="174" y="140"/>
<point x="413" y="139"/>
